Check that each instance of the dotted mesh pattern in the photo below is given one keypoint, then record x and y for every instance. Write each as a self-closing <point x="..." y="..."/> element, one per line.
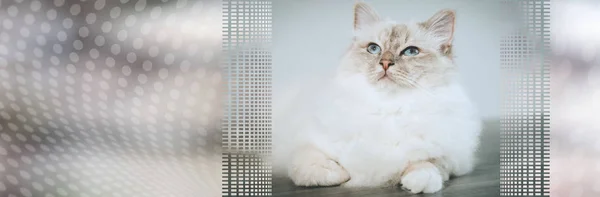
<point x="110" y="98"/>
<point x="247" y="122"/>
<point x="525" y="122"/>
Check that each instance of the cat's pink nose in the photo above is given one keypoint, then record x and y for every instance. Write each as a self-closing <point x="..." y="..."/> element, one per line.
<point x="386" y="64"/>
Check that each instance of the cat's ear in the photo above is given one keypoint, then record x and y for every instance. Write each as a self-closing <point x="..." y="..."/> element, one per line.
<point x="364" y="16"/>
<point x="441" y="25"/>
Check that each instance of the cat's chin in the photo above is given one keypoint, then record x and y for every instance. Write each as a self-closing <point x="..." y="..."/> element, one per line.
<point x="389" y="81"/>
<point x="388" y="84"/>
<point x="383" y="77"/>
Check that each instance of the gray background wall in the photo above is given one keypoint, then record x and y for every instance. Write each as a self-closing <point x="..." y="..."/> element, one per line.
<point x="310" y="36"/>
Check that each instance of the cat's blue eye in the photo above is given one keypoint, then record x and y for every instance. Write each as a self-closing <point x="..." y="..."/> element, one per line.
<point x="411" y="51"/>
<point x="373" y="48"/>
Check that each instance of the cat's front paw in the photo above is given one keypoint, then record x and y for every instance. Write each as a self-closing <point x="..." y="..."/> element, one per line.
<point x="425" y="178"/>
<point x="310" y="167"/>
<point x="319" y="173"/>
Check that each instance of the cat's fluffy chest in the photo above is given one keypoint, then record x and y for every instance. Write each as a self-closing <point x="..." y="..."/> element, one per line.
<point x="377" y="112"/>
<point x="381" y="122"/>
<point x="373" y="131"/>
<point x="387" y="131"/>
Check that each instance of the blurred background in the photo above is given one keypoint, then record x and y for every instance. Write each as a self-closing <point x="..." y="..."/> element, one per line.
<point x="575" y="125"/>
<point x="110" y="97"/>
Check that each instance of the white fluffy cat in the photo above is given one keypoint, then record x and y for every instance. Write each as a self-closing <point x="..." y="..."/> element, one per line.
<point x="393" y="113"/>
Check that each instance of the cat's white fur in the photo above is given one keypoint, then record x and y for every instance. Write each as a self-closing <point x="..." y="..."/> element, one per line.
<point x="345" y="130"/>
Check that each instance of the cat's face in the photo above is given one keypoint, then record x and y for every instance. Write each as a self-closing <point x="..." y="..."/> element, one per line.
<point x="393" y="55"/>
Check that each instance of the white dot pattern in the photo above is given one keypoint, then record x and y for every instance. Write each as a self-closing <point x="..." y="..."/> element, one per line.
<point x="109" y="98"/>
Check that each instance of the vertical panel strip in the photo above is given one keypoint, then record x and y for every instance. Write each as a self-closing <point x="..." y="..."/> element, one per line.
<point x="524" y="152"/>
<point x="247" y="121"/>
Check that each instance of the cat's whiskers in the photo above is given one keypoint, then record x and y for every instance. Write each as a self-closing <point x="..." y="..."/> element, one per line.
<point x="413" y="83"/>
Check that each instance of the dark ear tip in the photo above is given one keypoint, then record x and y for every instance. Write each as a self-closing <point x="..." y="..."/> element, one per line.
<point x="448" y="12"/>
<point x="360" y="4"/>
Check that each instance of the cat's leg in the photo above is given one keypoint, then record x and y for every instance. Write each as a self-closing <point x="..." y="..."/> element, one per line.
<point x="311" y="167"/>
<point x="424" y="176"/>
<point x="463" y="164"/>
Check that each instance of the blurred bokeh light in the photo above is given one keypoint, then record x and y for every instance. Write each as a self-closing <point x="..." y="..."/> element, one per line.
<point x="110" y="97"/>
<point x="575" y="130"/>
